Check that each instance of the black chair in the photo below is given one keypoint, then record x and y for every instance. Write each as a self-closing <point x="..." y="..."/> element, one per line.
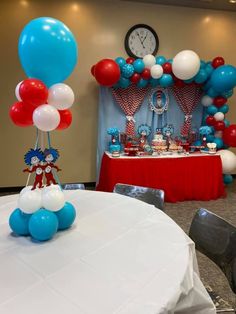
<point x="73" y="186"/>
<point x="216" y="238"/>
<point x="147" y="195"/>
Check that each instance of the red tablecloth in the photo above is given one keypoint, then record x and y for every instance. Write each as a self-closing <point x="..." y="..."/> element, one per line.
<point x="182" y="178"/>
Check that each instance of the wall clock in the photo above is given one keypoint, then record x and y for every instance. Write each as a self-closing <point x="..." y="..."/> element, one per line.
<point x="141" y="40"/>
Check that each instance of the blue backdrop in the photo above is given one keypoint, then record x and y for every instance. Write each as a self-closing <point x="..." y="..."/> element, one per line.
<point x="111" y="115"/>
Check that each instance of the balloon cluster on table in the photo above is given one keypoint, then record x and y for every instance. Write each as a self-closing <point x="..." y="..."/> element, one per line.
<point x="48" y="54"/>
<point x="216" y="80"/>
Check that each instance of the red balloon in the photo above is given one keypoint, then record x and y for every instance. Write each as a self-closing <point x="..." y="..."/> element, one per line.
<point x="21" y="114"/>
<point x="33" y="92"/>
<point x="130" y="60"/>
<point x="93" y="69"/>
<point x="146" y="74"/>
<point x="229" y="135"/>
<point x="167" y="67"/>
<point x="210" y="120"/>
<point x="179" y="83"/>
<point x="219" y="101"/>
<point x="107" y="72"/>
<point x="135" y="78"/>
<point x="218" y="61"/>
<point x="65" y="119"/>
<point x="219" y="125"/>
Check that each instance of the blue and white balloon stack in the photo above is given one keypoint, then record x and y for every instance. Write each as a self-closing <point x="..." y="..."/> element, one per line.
<point x="41" y="213"/>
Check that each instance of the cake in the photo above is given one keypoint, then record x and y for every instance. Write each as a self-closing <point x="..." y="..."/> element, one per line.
<point x="158" y="143"/>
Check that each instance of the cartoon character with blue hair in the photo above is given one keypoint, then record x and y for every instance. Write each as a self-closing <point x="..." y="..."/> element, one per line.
<point x="144" y="131"/>
<point x="34" y="159"/>
<point x="50" y="156"/>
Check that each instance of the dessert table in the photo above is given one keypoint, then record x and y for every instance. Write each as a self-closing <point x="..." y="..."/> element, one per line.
<point x="122" y="256"/>
<point x="197" y="176"/>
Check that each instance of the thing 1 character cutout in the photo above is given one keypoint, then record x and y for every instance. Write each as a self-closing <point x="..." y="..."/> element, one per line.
<point x="34" y="158"/>
<point x="50" y="156"/>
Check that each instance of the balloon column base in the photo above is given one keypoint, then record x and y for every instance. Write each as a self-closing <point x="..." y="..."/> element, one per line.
<point x="43" y="224"/>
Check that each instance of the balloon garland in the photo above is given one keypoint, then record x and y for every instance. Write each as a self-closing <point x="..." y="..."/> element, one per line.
<point x="44" y="101"/>
<point x="216" y="80"/>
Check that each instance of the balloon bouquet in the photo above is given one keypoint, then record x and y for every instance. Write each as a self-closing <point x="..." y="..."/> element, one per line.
<point x="215" y="79"/>
<point x="48" y="54"/>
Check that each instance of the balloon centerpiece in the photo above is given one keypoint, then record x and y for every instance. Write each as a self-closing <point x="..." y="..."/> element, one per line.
<point x="215" y="79"/>
<point x="48" y="54"/>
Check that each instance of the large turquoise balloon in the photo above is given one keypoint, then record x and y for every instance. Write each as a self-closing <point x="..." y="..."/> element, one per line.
<point x="19" y="222"/>
<point x="223" y="78"/>
<point x="66" y="216"/>
<point x="47" y="50"/>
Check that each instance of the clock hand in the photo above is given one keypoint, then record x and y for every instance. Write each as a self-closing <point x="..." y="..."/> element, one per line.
<point x="140" y="39"/>
<point x="144" y="38"/>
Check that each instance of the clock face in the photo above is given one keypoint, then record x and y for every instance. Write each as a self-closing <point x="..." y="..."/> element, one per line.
<point x="141" y="40"/>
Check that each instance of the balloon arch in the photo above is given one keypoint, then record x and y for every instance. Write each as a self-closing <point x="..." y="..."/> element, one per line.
<point x="214" y="79"/>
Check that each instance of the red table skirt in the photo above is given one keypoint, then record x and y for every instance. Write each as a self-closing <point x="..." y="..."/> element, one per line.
<point x="182" y="179"/>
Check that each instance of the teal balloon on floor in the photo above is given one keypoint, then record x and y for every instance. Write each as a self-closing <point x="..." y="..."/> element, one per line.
<point x="66" y="216"/>
<point x="19" y="222"/>
<point x="47" y="50"/>
<point x="228" y="178"/>
<point x="43" y="224"/>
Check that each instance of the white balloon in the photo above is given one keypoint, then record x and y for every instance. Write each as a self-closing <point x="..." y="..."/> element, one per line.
<point x="53" y="200"/>
<point x="228" y="159"/>
<point x="29" y="188"/>
<point x="186" y="64"/>
<point x="206" y="101"/>
<point x="219" y="116"/>
<point x="46" y="118"/>
<point x="149" y="61"/>
<point x="61" y="96"/>
<point x="30" y="201"/>
<point x="50" y="188"/>
<point x="17" y="91"/>
<point x="218" y="134"/>
<point x="156" y="71"/>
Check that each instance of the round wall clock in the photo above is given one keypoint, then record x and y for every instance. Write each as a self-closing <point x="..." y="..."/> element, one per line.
<point x="141" y="40"/>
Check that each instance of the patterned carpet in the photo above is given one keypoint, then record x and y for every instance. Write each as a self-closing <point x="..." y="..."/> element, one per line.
<point x="183" y="213"/>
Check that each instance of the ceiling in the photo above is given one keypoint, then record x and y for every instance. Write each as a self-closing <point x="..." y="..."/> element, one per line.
<point x="205" y="4"/>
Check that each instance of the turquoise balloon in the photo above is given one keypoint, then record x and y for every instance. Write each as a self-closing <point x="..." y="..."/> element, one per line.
<point x="201" y="77"/>
<point x="170" y="61"/>
<point x="47" y="50"/>
<point x="202" y="64"/>
<point x="43" y="224"/>
<point x="166" y="80"/>
<point x="154" y="82"/>
<point x="224" y="108"/>
<point x="127" y="70"/>
<point x="219" y="142"/>
<point x="19" y="222"/>
<point x="223" y="78"/>
<point x="228" y="94"/>
<point x="211" y="110"/>
<point x="142" y="83"/>
<point x="197" y="143"/>
<point x="212" y="93"/>
<point x="209" y="68"/>
<point x="228" y="178"/>
<point x="160" y="60"/>
<point x="227" y="123"/>
<point x="66" y="216"/>
<point x="138" y="65"/>
<point x="120" y="61"/>
<point x="124" y="82"/>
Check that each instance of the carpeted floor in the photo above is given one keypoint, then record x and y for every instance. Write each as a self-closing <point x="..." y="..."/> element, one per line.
<point x="183" y="213"/>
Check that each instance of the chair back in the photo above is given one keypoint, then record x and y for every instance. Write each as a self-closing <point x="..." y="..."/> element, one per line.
<point x="216" y="238"/>
<point x="147" y="195"/>
<point x="73" y="186"/>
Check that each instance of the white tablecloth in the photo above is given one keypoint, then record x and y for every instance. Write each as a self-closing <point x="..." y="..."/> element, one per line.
<point x="122" y="256"/>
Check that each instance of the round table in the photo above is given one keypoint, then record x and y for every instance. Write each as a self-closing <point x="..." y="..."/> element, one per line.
<point x="121" y="256"/>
